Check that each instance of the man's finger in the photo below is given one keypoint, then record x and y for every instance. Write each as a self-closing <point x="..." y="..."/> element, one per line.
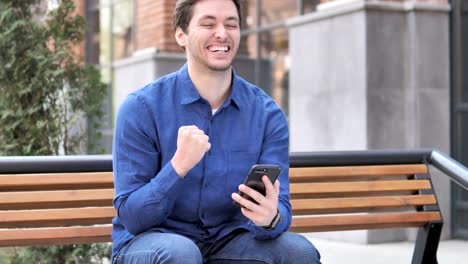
<point x="255" y="195"/>
<point x="245" y="203"/>
<point x="270" y="190"/>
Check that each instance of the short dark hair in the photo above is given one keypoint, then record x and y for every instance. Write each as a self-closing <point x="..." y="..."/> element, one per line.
<point x="184" y="11"/>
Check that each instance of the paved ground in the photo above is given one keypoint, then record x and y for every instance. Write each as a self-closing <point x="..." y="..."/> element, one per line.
<point x="450" y="252"/>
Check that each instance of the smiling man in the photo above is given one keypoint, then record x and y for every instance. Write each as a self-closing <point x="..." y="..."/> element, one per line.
<point x="184" y="144"/>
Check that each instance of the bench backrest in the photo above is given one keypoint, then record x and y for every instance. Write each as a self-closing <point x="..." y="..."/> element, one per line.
<point x="362" y="197"/>
<point x="73" y="208"/>
<point x="55" y="208"/>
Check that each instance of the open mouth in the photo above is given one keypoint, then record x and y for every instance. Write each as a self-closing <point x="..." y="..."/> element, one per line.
<point x="219" y="48"/>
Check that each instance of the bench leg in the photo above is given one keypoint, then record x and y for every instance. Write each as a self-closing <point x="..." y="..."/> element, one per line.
<point x="427" y="242"/>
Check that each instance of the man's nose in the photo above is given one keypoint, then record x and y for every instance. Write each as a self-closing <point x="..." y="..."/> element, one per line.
<point x="220" y="32"/>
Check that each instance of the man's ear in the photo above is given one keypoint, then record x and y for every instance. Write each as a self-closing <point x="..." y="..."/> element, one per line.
<point x="181" y="37"/>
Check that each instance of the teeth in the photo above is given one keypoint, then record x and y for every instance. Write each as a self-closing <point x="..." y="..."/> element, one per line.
<point x="219" y="48"/>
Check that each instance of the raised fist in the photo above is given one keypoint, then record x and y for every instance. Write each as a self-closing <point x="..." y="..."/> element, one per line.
<point x="192" y="144"/>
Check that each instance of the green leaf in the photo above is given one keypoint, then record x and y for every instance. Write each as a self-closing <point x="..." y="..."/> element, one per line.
<point x="43" y="93"/>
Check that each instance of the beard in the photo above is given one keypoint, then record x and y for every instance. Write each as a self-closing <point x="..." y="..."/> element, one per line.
<point x="217" y="67"/>
<point x="220" y="67"/>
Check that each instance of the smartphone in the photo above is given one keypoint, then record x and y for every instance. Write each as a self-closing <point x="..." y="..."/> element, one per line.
<point x="254" y="178"/>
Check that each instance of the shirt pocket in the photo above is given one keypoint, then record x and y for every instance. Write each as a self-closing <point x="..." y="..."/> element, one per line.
<point x="240" y="162"/>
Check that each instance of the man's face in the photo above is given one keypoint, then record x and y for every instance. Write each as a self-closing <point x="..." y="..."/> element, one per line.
<point x="212" y="36"/>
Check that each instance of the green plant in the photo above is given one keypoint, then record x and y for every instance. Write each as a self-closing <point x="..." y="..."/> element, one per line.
<point x="69" y="254"/>
<point x="48" y="99"/>
<point x="48" y="95"/>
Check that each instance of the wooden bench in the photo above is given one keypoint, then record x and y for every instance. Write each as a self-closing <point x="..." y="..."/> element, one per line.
<point x="68" y="200"/>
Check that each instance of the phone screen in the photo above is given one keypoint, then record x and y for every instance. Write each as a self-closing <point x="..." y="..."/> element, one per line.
<point x="254" y="178"/>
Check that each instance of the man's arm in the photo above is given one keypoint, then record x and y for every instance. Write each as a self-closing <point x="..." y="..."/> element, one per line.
<point x="275" y="150"/>
<point x="146" y="190"/>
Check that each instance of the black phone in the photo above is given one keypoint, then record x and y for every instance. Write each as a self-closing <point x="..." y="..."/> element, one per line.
<point x="254" y="178"/>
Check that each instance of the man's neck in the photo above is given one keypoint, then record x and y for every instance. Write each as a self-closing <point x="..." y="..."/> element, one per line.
<point x="214" y="86"/>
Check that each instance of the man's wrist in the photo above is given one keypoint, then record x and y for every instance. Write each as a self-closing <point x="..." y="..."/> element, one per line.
<point x="177" y="168"/>
<point x="276" y="220"/>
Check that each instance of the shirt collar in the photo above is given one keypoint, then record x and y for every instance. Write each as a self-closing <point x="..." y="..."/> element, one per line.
<point x="189" y="94"/>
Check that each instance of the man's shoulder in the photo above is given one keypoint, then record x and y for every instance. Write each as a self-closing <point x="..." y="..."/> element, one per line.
<point x="156" y="91"/>
<point x="164" y="82"/>
<point x="163" y="86"/>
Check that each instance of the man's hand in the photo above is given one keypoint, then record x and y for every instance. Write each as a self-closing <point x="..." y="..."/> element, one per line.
<point x="262" y="213"/>
<point x="192" y="144"/>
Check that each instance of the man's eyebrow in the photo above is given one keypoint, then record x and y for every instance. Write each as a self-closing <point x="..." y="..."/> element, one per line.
<point x="233" y="18"/>
<point x="209" y="17"/>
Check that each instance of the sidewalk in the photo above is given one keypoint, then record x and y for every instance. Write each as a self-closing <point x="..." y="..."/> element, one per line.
<point x="450" y="252"/>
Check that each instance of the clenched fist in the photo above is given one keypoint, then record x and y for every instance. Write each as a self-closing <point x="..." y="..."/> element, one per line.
<point x="192" y="144"/>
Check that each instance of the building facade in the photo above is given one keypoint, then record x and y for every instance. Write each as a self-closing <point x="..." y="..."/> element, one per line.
<point x="350" y="74"/>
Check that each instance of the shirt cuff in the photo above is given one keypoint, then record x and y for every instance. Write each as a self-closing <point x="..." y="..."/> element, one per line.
<point x="166" y="180"/>
<point x="263" y="233"/>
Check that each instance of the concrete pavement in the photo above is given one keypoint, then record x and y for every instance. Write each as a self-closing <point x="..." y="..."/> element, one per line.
<point x="450" y="252"/>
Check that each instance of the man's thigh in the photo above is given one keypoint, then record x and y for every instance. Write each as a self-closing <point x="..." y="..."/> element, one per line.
<point x="161" y="248"/>
<point x="287" y="248"/>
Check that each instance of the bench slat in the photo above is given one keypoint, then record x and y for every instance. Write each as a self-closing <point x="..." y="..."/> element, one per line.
<point x="359" y="186"/>
<point x="55" y="199"/>
<point x="362" y="221"/>
<point x="56" y="181"/>
<point x="56" y="217"/>
<point x="337" y="205"/>
<point x="55" y="236"/>
<point x="305" y="174"/>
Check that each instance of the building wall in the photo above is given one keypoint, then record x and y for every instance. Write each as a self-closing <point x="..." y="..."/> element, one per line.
<point x="372" y="75"/>
<point x="327" y="97"/>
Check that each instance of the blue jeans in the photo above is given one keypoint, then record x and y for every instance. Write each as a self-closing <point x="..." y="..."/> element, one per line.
<point x="239" y="248"/>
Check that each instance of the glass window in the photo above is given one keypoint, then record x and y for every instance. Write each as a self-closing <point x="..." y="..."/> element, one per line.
<point x="251" y="45"/>
<point x="104" y="36"/>
<point x="122" y="29"/>
<point x="93" y="36"/>
<point x="462" y="96"/>
<point x="274" y="49"/>
<point x="274" y="11"/>
<point x="268" y="45"/>
<point x="461" y="132"/>
<point x="109" y="37"/>
<point x="250" y="15"/>
<point x="462" y="220"/>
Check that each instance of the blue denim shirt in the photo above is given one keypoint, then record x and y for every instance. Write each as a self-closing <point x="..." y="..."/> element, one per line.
<point x="248" y="128"/>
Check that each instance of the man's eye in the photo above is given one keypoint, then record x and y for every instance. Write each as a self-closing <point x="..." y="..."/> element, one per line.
<point x="207" y="25"/>
<point x="234" y="26"/>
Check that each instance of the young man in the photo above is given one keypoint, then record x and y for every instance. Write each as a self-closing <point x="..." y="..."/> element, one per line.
<point x="183" y="146"/>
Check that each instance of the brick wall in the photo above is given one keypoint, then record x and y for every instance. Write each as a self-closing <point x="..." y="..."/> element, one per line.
<point x="153" y="25"/>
